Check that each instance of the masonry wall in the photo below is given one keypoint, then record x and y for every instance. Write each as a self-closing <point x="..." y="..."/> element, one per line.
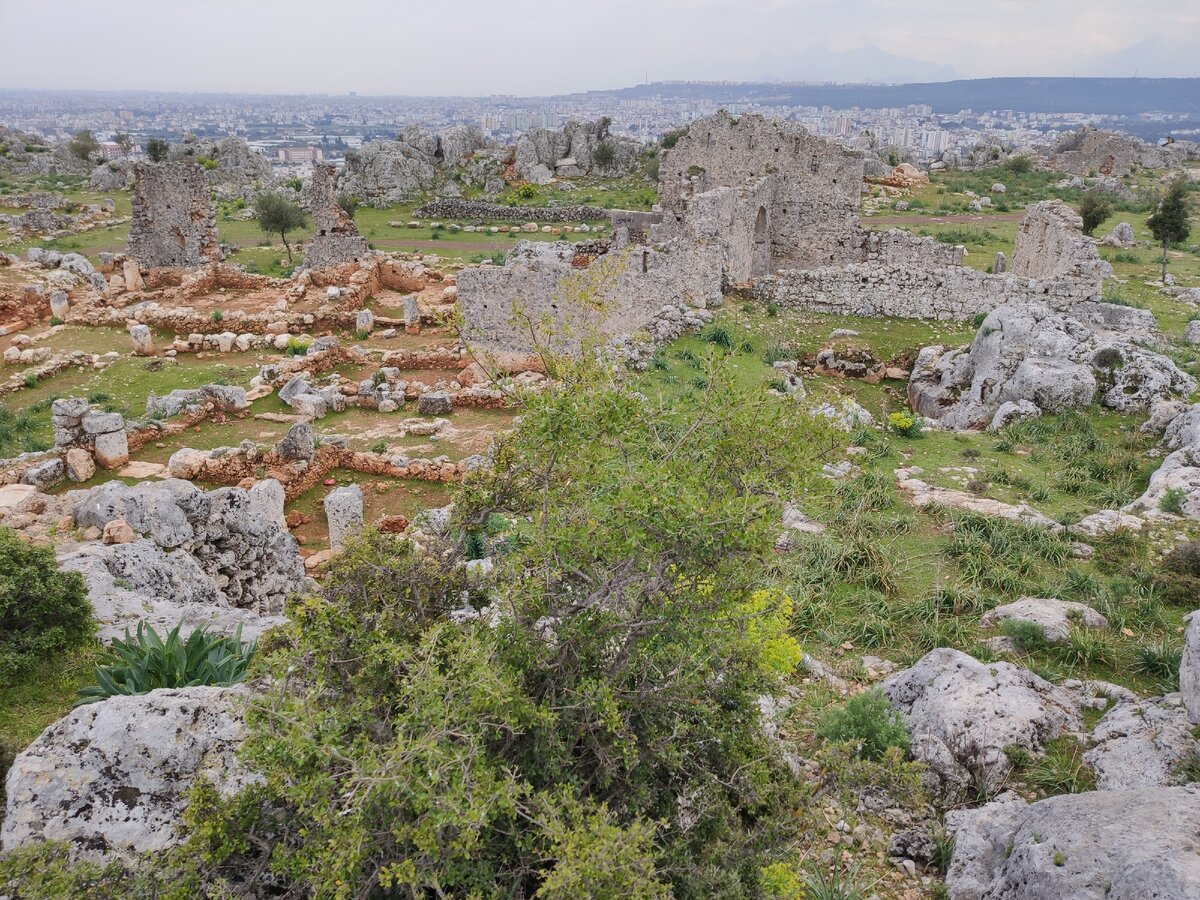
<point x="907" y="292"/>
<point x="548" y="296"/>
<point x="813" y="213"/>
<point x="336" y="240"/>
<point x="1051" y="244"/>
<point x="174" y="223"/>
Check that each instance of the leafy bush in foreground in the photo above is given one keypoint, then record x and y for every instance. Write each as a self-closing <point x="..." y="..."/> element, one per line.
<point x="594" y="731"/>
<point x="866" y="720"/>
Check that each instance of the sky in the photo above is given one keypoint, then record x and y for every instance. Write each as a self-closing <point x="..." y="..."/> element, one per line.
<point x="540" y="47"/>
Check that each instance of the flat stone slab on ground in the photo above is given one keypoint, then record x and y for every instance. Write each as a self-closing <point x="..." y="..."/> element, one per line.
<point x="143" y="469"/>
<point x="12" y="494"/>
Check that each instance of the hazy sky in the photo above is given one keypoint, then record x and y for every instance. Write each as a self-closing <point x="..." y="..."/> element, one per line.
<point x="551" y="46"/>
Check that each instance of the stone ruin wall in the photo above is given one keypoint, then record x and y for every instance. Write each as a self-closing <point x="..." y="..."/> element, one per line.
<point x="1051" y="245"/>
<point x="336" y="240"/>
<point x="174" y="222"/>
<point x="896" y="247"/>
<point x="812" y="217"/>
<point x="551" y="289"/>
<point x="906" y="292"/>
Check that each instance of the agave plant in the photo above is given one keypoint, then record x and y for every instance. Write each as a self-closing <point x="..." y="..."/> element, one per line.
<point x="145" y="661"/>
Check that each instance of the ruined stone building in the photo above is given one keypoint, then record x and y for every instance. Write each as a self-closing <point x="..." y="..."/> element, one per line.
<point x="336" y="240"/>
<point x="174" y="223"/>
<point x="769" y="207"/>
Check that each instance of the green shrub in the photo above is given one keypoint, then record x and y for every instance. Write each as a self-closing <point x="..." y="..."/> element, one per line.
<point x="1172" y="500"/>
<point x="42" y="610"/>
<point x="905" y="424"/>
<point x="217" y="315"/>
<point x="1178" y="577"/>
<point x="146" y="661"/>
<point x="527" y="191"/>
<point x="1018" y="165"/>
<point x="1158" y="660"/>
<point x="868" y="722"/>
<point x="1027" y="637"/>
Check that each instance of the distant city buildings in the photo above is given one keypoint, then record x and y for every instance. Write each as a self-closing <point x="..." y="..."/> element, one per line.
<point x="295" y="131"/>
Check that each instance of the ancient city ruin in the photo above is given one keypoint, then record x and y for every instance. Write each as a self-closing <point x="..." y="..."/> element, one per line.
<point x="737" y="510"/>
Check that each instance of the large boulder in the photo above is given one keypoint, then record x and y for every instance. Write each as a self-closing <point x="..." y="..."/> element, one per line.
<point x="111" y="778"/>
<point x="1026" y="352"/>
<point x="298" y="443"/>
<point x="1054" y="617"/>
<point x="228" y="545"/>
<point x="1183" y="430"/>
<point x="1138" y="742"/>
<point x="1178" y="479"/>
<point x="1100" y="845"/>
<point x="962" y="714"/>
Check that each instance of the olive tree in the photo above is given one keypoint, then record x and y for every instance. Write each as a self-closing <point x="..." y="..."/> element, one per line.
<point x="279" y="215"/>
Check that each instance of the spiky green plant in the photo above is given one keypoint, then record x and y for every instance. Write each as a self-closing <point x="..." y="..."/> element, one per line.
<point x="143" y="662"/>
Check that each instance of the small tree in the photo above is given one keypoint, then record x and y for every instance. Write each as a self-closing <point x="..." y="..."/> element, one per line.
<point x="123" y="140"/>
<point x="83" y="145"/>
<point x="1169" y="223"/>
<point x="157" y="149"/>
<point x="1018" y="165"/>
<point x="349" y="204"/>
<point x="1094" y="208"/>
<point x="279" y="215"/>
<point x="604" y="154"/>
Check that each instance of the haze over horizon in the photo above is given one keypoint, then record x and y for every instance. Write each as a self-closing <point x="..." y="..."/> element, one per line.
<point x="530" y="48"/>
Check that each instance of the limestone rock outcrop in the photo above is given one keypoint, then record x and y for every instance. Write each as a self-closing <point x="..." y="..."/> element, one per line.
<point x="220" y="558"/>
<point x="1057" y="361"/>
<point x="111" y="778"/>
<point x="962" y="713"/>
<point x="1098" y="845"/>
<point x="1138" y="742"/>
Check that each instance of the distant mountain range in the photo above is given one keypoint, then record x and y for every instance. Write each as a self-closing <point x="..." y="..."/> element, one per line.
<point x="1096" y="96"/>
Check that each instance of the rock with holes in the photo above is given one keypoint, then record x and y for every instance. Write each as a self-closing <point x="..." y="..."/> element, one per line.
<point x="110" y="779"/>
<point x="1098" y="845"/>
<point x="962" y="713"/>
<point x="1174" y="488"/>
<point x="1054" y="360"/>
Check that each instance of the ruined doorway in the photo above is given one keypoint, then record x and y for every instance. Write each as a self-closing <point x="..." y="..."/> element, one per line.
<point x="761" y="263"/>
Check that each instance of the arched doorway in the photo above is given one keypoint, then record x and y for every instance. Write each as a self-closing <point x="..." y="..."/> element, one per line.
<point x="761" y="264"/>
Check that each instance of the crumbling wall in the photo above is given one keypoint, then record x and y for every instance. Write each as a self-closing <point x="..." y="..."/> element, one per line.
<point x="901" y="291"/>
<point x="896" y="247"/>
<point x="336" y="241"/>
<point x="174" y="223"/>
<point x="1051" y="245"/>
<point x="547" y="297"/>
<point x="812" y="216"/>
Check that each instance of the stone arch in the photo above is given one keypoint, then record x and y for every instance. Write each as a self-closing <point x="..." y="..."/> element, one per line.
<point x="761" y="264"/>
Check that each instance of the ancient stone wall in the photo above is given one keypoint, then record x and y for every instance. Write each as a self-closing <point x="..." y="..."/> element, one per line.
<point x="174" y="223"/>
<point x="902" y="291"/>
<point x="811" y="218"/>
<point x="336" y="240"/>
<point x="896" y="247"/>
<point x="1051" y="245"/>
<point x="478" y="211"/>
<point x="541" y="299"/>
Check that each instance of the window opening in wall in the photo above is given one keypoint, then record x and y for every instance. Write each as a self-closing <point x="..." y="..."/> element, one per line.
<point x="814" y="164"/>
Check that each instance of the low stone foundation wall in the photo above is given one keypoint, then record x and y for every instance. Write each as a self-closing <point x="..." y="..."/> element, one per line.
<point x="474" y="210"/>
<point x="906" y="292"/>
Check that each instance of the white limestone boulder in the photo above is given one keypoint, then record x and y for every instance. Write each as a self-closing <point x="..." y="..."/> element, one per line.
<point x="1098" y="845"/>
<point x="1054" y="617"/>
<point x="962" y="713"/>
<point x="111" y="778"/>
